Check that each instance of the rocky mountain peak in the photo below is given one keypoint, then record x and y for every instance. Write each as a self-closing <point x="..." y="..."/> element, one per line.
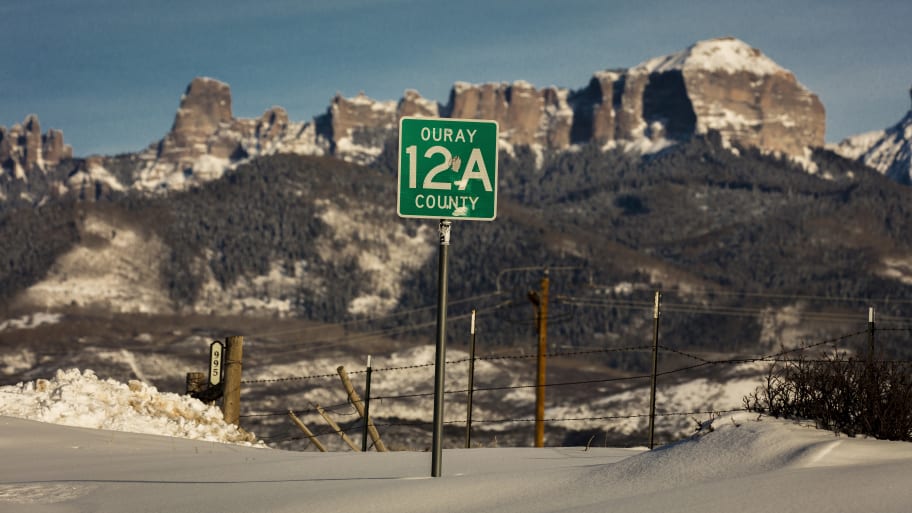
<point x="720" y="85"/>
<point x="204" y="106"/>
<point x="412" y="104"/>
<point x="24" y="149"/>
<point x="357" y="127"/>
<point x="272" y="123"/>
<point x="888" y="151"/>
<point x="206" y="139"/>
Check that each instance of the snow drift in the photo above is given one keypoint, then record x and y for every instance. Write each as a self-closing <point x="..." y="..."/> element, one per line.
<point x="75" y="398"/>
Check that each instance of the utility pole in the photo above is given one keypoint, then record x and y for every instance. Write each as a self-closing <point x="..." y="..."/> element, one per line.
<point x="540" y="301"/>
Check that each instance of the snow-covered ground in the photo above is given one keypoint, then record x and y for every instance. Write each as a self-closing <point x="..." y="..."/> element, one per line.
<point x="739" y="463"/>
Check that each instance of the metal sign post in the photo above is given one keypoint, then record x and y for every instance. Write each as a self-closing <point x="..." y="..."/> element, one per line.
<point x="447" y="170"/>
<point x="440" y="360"/>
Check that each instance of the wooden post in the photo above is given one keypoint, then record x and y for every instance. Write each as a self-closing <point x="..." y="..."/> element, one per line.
<point x="336" y="427"/>
<point x="359" y="405"/>
<point x="302" y="427"/>
<point x="196" y="382"/>
<point x="231" y="404"/>
<point x="540" y="301"/>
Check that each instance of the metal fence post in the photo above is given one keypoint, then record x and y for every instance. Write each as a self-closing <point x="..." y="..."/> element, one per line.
<point x="471" y="383"/>
<point x="655" y="367"/>
<point x="871" y="333"/>
<point x="367" y="405"/>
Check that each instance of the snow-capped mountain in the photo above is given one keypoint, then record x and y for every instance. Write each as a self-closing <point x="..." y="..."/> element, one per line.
<point x="888" y="151"/>
<point x="721" y="85"/>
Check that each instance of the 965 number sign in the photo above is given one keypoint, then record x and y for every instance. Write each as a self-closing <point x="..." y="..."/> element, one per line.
<point x="447" y="169"/>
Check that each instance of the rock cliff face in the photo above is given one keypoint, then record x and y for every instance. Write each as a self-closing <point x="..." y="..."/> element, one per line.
<point x="721" y="85"/>
<point x="206" y="139"/>
<point x="23" y="148"/>
<point x="205" y="110"/>
<point x="357" y="127"/>
<point x="525" y="115"/>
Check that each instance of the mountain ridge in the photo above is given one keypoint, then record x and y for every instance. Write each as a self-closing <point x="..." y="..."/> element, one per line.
<point x="720" y="85"/>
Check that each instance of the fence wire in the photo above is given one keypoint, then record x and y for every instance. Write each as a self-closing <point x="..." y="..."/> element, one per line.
<point x="347" y="409"/>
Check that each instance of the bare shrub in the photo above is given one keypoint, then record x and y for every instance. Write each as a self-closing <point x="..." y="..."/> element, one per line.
<point x="855" y="396"/>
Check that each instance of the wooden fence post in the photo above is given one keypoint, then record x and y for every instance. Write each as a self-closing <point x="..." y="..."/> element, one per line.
<point x="231" y="404"/>
<point x="359" y="405"/>
<point x="196" y="382"/>
<point x="336" y="427"/>
<point x="302" y="427"/>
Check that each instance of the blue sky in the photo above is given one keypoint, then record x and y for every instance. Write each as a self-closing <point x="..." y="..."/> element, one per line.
<point x="110" y="73"/>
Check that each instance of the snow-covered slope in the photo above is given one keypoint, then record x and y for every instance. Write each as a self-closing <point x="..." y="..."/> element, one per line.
<point x="744" y="464"/>
<point x="888" y="151"/>
<point x="115" y="266"/>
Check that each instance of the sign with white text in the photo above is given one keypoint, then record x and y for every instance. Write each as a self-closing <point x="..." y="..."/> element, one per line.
<point x="447" y="169"/>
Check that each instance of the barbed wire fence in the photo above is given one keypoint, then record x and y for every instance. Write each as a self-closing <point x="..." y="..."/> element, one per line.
<point x="675" y="372"/>
<point x="590" y="401"/>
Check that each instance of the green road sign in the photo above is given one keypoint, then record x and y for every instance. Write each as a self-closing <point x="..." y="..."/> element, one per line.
<point x="447" y="169"/>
